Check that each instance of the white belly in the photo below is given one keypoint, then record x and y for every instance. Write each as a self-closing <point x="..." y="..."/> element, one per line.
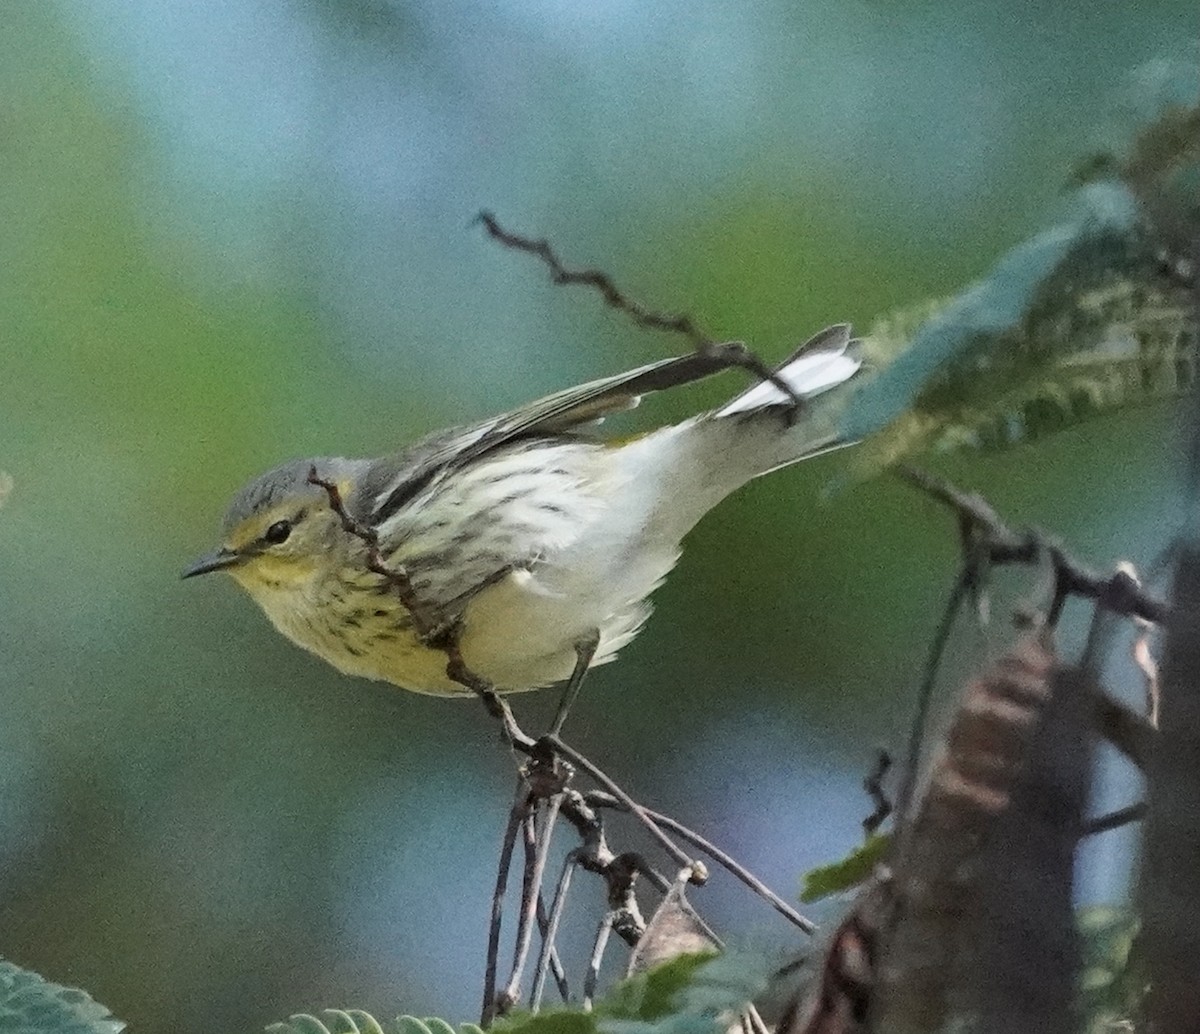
<point x="522" y="633"/>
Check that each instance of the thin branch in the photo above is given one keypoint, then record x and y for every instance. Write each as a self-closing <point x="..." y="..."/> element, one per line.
<point x="730" y="864"/>
<point x="989" y="541"/>
<point x="493" y="702"/>
<point x="537" y="848"/>
<point x="933" y="663"/>
<point x="1114" y="819"/>
<point x="546" y="778"/>
<point x="1117" y="592"/>
<point x="396" y="577"/>
<point x="597" y="957"/>
<point x="1143" y="657"/>
<point x="556" y="966"/>
<point x="516" y="816"/>
<point x="1131" y="733"/>
<point x="752" y="1018"/>
<point x="699" y="871"/>
<point x="729" y="353"/>
<point x="551" y="931"/>
<point x="873" y="785"/>
<point x="428" y="628"/>
<point x="595" y="279"/>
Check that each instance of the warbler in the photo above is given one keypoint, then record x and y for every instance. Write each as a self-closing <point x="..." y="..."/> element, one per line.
<point x="534" y="539"/>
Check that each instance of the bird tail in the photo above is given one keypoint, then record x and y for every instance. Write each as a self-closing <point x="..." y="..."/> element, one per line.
<point x="696" y="464"/>
<point x="824" y="361"/>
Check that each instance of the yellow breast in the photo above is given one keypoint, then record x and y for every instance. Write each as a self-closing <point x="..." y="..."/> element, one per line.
<point x="353" y="625"/>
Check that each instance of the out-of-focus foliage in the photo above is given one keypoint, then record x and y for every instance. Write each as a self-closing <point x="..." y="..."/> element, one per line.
<point x="1092" y="315"/>
<point x="691" y="994"/>
<point x="1077" y="344"/>
<point x="355" y="1021"/>
<point x="846" y="873"/>
<point x="1113" y="982"/>
<point x="31" y="1005"/>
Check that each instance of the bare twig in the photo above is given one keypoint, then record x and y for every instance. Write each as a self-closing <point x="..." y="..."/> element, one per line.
<point x="726" y="861"/>
<point x="396" y="577"/>
<point x="1144" y="659"/>
<point x="1114" y="819"/>
<point x="989" y="541"/>
<point x="596" y="279"/>
<point x="1117" y="592"/>
<point x="752" y="1019"/>
<point x="546" y="778"/>
<point x="496" y="705"/>
<point x="873" y="785"/>
<point x="556" y="966"/>
<point x="537" y="848"/>
<point x="1131" y="733"/>
<point x="522" y="802"/>
<point x="729" y="353"/>
<point x="1142" y="655"/>
<point x="933" y="663"/>
<point x="444" y="637"/>
<point x="597" y="957"/>
<point x="550" y="932"/>
<point x="699" y="870"/>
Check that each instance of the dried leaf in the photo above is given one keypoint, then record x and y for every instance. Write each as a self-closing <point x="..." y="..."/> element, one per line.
<point x="673" y="930"/>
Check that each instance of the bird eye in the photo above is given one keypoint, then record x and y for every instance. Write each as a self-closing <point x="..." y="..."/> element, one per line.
<point x="278" y="532"/>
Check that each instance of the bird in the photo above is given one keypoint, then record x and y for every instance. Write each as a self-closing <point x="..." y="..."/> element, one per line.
<point x="534" y="538"/>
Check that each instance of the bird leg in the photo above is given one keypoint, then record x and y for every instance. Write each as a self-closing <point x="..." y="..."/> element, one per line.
<point x="585" y="650"/>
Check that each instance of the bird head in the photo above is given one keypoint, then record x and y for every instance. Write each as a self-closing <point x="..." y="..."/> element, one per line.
<point x="280" y="529"/>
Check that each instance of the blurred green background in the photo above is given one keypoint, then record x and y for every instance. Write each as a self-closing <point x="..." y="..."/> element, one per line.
<point x="236" y="232"/>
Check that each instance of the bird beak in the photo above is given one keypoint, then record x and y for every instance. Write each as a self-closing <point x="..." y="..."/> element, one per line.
<point x="217" y="560"/>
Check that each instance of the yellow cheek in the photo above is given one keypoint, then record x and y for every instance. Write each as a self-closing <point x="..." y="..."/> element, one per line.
<point x="272" y="572"/>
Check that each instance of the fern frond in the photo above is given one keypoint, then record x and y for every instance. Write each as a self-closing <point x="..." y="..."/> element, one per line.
<point x="29" y="1004"/>
<point x="355" y="1021"/>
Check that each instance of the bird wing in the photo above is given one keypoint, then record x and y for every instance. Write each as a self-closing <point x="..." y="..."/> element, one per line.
<point x="394" y="482"/>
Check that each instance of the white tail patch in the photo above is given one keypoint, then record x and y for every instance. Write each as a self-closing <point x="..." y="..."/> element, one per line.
<point x="817" y="365"/>
<point x="807" y="375"/>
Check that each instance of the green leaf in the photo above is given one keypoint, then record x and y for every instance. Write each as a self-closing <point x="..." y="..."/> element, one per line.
<point x="653" y="994"/>
<point x="300" y="1023"/>
<point x="341" y="1021"/>
<point x="847" y="872"/>
<point x="987" y="310"/>
<point x="1082" y="319"/>
<point x="552" y="1021"/>
<point x="355" y="1021"/>
<point x="691" y="994"/>
<point x="31" y="1005"/>
<point x="367" y="1024"/>
<point x="1113" y="983"/>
